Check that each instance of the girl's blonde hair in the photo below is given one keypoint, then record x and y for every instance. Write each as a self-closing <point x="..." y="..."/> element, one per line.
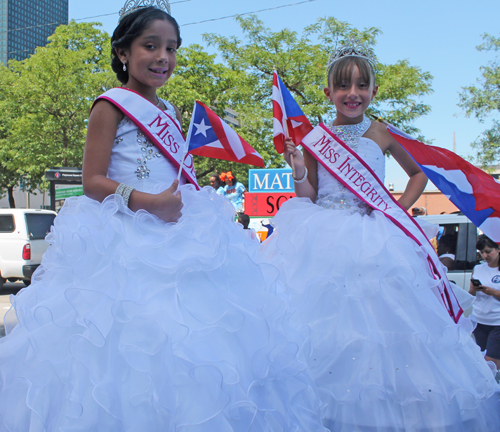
<point x="341" y="71"/>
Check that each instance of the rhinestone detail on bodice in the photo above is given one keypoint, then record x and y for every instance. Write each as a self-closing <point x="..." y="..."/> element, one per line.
<point x="332" y="194"/>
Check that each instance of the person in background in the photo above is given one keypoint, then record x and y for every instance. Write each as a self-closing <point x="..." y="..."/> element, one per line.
<point x="446" y="250"/>
<point x="418" y="211"/>
<point x="269" y="227"/>
<point x="243" y="219"/>
<point x="234" y="190"/>
<point x="217" y="184"/>
<point x="486" y="307"/>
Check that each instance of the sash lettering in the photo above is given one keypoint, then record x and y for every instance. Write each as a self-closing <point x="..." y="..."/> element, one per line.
<point x="161" y="129"/>
<point x="352" y="171"/>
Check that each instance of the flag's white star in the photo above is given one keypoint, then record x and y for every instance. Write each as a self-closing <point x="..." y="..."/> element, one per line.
<point x="202" y="128"/>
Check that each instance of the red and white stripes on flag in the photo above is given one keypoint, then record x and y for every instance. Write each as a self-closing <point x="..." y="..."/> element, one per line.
<point x="279" y="117"/>
<point x="288" y="118"/>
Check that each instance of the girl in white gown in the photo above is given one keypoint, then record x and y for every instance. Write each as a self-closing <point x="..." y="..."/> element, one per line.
<point x="136" y="322"/>
<point x="384" y="352"/>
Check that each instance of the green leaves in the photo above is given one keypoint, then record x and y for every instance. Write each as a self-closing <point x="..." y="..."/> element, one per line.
<point x="301" y="62"/>
<point x="46" y="101"/>
<point x="484" y="99"/>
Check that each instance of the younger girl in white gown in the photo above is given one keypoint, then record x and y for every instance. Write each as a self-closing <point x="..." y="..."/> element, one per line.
<point x="136" y="322"/>
<point x="384" y="352"/>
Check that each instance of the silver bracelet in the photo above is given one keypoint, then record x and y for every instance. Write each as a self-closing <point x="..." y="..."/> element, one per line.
<point x="124" y="191"/>
<point x="303" y="179"/>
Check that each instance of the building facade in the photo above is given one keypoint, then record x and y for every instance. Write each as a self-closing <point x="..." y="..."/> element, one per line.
<point x="432" y="202"/>
<point x="26" y="24"/>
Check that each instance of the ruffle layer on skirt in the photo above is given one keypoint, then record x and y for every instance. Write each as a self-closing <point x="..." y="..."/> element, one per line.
<point x="134" y="324"/>
<point x="383" y="350"/>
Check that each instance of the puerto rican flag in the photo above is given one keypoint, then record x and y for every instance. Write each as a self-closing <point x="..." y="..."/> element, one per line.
<point x="288" y="118"/>
<point x="474" y="192"/>
<point x="212" y="137"/>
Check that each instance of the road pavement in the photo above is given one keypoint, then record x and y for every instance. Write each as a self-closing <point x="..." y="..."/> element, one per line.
<point x="5" y="292"/>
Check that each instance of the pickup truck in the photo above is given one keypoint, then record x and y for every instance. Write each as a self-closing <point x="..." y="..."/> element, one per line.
<point x="466" y="256"/>
<point x="22" y="242"/>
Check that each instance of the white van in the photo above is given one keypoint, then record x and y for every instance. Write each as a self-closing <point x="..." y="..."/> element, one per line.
<point x="22" y="242"/>
<point x="466" y="256"/>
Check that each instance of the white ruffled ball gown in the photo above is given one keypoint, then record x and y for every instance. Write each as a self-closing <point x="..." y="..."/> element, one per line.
<point x="134" y="324"/>
<point x="383" y="350"/>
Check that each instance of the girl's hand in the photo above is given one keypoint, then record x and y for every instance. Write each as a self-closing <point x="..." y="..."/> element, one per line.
<point x="167" y="205"/>
<point x="298" y="158"/>
<point x="302" y="189"/>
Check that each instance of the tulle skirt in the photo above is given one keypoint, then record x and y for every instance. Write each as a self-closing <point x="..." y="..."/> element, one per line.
<point x="383" y="350"/>
<point x="134" y="324"/>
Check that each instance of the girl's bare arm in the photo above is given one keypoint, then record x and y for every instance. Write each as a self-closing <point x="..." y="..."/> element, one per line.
<point x="103" y="123"/>
<point x="418" y="180"/>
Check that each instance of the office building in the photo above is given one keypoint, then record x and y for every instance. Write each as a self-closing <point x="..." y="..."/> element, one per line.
<point x="26" y="24"/>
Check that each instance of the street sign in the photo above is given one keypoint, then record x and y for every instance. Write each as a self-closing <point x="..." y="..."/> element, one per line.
<point x="268" y="190"/>
<point x="60" y="178"/>
<point x="265" y="204"/>
<point x="270" y="180"/>
<point x="63" y="191"/>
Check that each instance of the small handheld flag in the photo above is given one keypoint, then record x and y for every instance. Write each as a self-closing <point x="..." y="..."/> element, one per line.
<point x="212" y="137"/>
<point x="474" y="192"/>
<point x="288" y="118"/>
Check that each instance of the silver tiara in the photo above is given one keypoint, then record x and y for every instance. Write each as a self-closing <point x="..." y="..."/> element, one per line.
<point x="132" y="5"/>
<point x="352" y="48"/>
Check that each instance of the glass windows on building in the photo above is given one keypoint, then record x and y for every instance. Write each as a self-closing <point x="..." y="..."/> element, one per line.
<point x="26" y="24"/>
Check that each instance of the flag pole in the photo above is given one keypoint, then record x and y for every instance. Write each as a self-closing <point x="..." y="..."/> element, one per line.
<point x="285" y="127"/>
<point x="186" y="147"/>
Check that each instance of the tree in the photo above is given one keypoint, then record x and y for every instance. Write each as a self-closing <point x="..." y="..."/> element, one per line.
<point x="483" y="100"/>
<point x="198" y="76"/>
<point x="46" y="105"/>
<point x="9" y="178"/>
<point x="301" y="64"/>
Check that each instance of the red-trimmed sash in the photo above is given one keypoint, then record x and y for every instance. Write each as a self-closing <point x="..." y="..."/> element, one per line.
<point x="350" y="170"/>
<point x="157" y="125"/>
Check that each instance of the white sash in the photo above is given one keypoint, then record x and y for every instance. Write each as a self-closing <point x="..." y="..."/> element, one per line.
<point x="157" y="125"/>
<point x="350" y="170"/>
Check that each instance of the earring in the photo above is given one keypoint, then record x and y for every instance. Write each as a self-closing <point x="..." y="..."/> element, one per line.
<point x="124" y="67"/>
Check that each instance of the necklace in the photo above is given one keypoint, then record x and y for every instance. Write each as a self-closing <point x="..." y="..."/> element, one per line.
<point x="350" y="134"/>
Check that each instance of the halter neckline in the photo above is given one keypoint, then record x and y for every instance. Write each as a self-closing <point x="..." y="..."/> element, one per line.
<point x="350" y="134"/>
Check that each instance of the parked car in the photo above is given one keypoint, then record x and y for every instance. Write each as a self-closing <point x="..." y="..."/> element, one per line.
<point x="22" y="242"/>
<point x="466" y="256"/>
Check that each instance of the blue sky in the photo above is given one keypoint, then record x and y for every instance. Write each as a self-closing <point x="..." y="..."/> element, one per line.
<point x="439" y="36"/>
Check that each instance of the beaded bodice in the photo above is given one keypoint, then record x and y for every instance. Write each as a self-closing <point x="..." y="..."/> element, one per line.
<point x="136" y="161"/>
<point x="332" y="194"/>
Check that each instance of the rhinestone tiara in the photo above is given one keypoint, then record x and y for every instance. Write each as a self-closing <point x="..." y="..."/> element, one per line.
<point x="132" y="5"/>
<point x="352" y="48"/>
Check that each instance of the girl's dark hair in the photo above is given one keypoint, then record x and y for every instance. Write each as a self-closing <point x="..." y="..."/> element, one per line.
<point x="234" y="180"/>
<point x="341" y="71"/>
<point x="484" y="241"/>
<point x="130" y="28"/>
<point x="243" y="219"/>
